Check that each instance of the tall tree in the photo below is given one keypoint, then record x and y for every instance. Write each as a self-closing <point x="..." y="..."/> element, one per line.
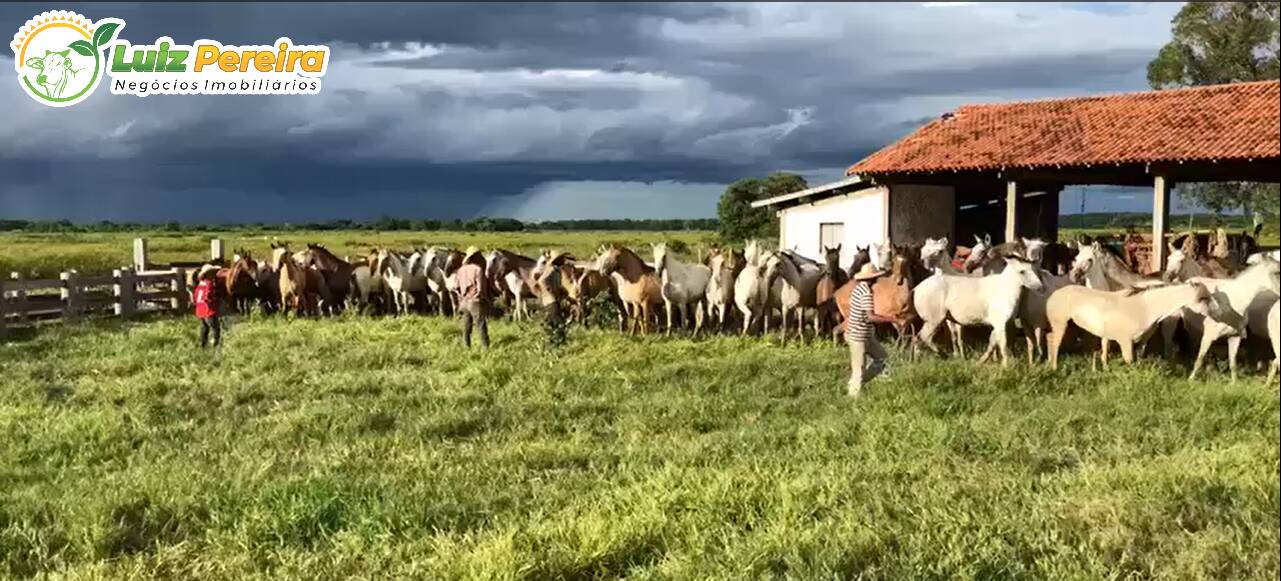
<point x="1223" y="42"/>
<point x="738" y="220"/>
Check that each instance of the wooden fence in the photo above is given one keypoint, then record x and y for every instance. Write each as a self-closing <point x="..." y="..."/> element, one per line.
<point x="123" y="293"/>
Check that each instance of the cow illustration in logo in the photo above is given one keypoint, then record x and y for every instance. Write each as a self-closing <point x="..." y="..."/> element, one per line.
<point x="59" y="56"/>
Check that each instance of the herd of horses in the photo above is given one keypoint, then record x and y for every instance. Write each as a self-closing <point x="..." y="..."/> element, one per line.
<point x="1084" y="292"/>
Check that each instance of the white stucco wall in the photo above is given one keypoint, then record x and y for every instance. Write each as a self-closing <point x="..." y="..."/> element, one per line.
<point x="863" y="214"/>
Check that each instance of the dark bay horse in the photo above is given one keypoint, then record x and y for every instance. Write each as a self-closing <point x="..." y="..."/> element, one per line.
<point x="242" y="286"/>
<point x="832" y="278"/>
<point x="335" y="272"/>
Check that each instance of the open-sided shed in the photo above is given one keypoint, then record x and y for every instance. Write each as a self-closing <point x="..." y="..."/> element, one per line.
<point x="1001" y="167"/>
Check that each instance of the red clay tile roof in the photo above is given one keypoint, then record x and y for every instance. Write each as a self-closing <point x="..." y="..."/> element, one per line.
<point x="1218" y="122"/>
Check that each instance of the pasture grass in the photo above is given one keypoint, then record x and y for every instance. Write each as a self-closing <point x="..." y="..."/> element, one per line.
<point x="380" y="448"/>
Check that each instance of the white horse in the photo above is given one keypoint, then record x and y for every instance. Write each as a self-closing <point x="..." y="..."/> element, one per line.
<point x="720" y="287"/>
<point x="961" y="301"/>
<point x="399" y="279"/>
<point x="1235" y="301"/>
<point x="683" y="286"/>
<point x="1033" y="313"/>
<point x="934" y="256"/>
<point x="978" y="254"/>
<point x="797" y="284"/>
<point x="751" y="288"/>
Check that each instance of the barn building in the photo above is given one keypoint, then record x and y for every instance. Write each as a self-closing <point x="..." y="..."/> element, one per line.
<point x="999" y="168"/>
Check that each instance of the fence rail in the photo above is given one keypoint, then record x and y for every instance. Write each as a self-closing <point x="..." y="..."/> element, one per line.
<point x="123" y="293"/>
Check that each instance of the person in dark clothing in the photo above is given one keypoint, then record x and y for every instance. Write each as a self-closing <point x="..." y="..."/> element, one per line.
<point x="551" y="292"/>
<point x="207" y="302"/>
<point x="473" y="307"/>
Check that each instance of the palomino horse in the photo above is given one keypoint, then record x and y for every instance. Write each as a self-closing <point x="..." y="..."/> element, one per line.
<point x="1236" y="302"/>
<point x="638" y="286"/>
<point x="586" y="283"/>
<point x="720" y="287"/>
<point x="337" y="274"/>
<point x="513" y="272"/>
<point x="1127" y="317"/>
<point x="368" y="288"/>
<point x="960" y="301"/>
<point x="798" y="289"/>
<point x="296" y="290"/>
<point x="684" y="286"/>
<point x="242" y="288"/>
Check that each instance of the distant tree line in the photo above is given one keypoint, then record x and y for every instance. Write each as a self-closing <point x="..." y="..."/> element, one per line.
<point x="385" y="224"/>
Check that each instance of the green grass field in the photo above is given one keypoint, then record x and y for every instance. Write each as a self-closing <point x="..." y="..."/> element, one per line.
<point x="379" y="448"/>
<point x="39" y="255"/>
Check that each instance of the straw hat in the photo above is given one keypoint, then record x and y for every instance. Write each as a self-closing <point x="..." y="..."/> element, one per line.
<point x="470" y="252"/>
<point x="868" y="272"/>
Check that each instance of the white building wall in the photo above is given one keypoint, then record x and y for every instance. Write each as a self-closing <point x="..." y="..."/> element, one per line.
<point x="862" y="212"/>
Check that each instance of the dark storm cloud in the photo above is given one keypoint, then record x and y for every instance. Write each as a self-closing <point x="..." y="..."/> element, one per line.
<point x="456" y="109"/>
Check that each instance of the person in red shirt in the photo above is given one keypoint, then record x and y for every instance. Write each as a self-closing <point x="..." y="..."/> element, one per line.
<point x="206" y="300"/>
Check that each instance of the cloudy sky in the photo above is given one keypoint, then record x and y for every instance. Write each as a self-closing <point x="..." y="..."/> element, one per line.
<point x="540" y="111"/>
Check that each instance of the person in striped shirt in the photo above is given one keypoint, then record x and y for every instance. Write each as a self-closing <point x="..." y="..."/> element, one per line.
<point x="859" y="333"/>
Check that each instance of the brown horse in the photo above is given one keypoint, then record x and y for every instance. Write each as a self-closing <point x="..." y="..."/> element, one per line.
<point x="833" y="278"/>
<point x="638" y="286"/>
<point x="242" y="288"/>
<point x="891" y="295"/>
<point x="334" y="272"/>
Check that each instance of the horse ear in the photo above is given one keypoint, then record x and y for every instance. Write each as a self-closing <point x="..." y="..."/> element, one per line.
<point x="987" y="239"/>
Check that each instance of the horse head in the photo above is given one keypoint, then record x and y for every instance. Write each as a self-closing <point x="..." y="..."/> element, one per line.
<point x="1034" y="249"/>
<point x="1086" y="256"/>
<point x="660" y="257"/>
<point x="1025" y="271"/>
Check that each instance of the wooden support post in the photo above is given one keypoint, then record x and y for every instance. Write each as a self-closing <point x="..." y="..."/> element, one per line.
<point x="70" y="296"/>
<point x="140" y="254"/>
<point x="178" y="284"/>
<point x="1160" y="220"/>
<point x="216" y="253"/>
<point x="1011" y="211"/>
<point x="19" y="297"/>
<point x="125" y="291"/>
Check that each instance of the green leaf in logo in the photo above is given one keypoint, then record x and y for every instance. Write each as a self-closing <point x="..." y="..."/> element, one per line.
<point x="83" y="48"/>
<point x="105" y="33"/>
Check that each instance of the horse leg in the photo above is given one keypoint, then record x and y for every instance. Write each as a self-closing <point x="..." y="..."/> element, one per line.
<point x="1127" y="351"/>
<point x="993" y="342"/>
<point x="1052" y="343"/>
<point x="669" y="307"/>
<point x="1234" y="344"/>
<point x="1207" y="340"/>
<point x="1104" y="353"/>
<point x="1003" y="342"/>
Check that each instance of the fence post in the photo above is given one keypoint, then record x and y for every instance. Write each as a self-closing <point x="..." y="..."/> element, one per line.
<point x="19" y="297"/>
<point x="179" y="286"/>
<point x="4" y="308"/>
<point x="216" y="253"/>
<point x="140" y="254"/>
<point x="125" y="291"/>
<point x="70" y="296"/>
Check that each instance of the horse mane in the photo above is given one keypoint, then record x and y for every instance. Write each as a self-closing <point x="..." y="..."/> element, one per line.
<point x="625" y="251"/>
